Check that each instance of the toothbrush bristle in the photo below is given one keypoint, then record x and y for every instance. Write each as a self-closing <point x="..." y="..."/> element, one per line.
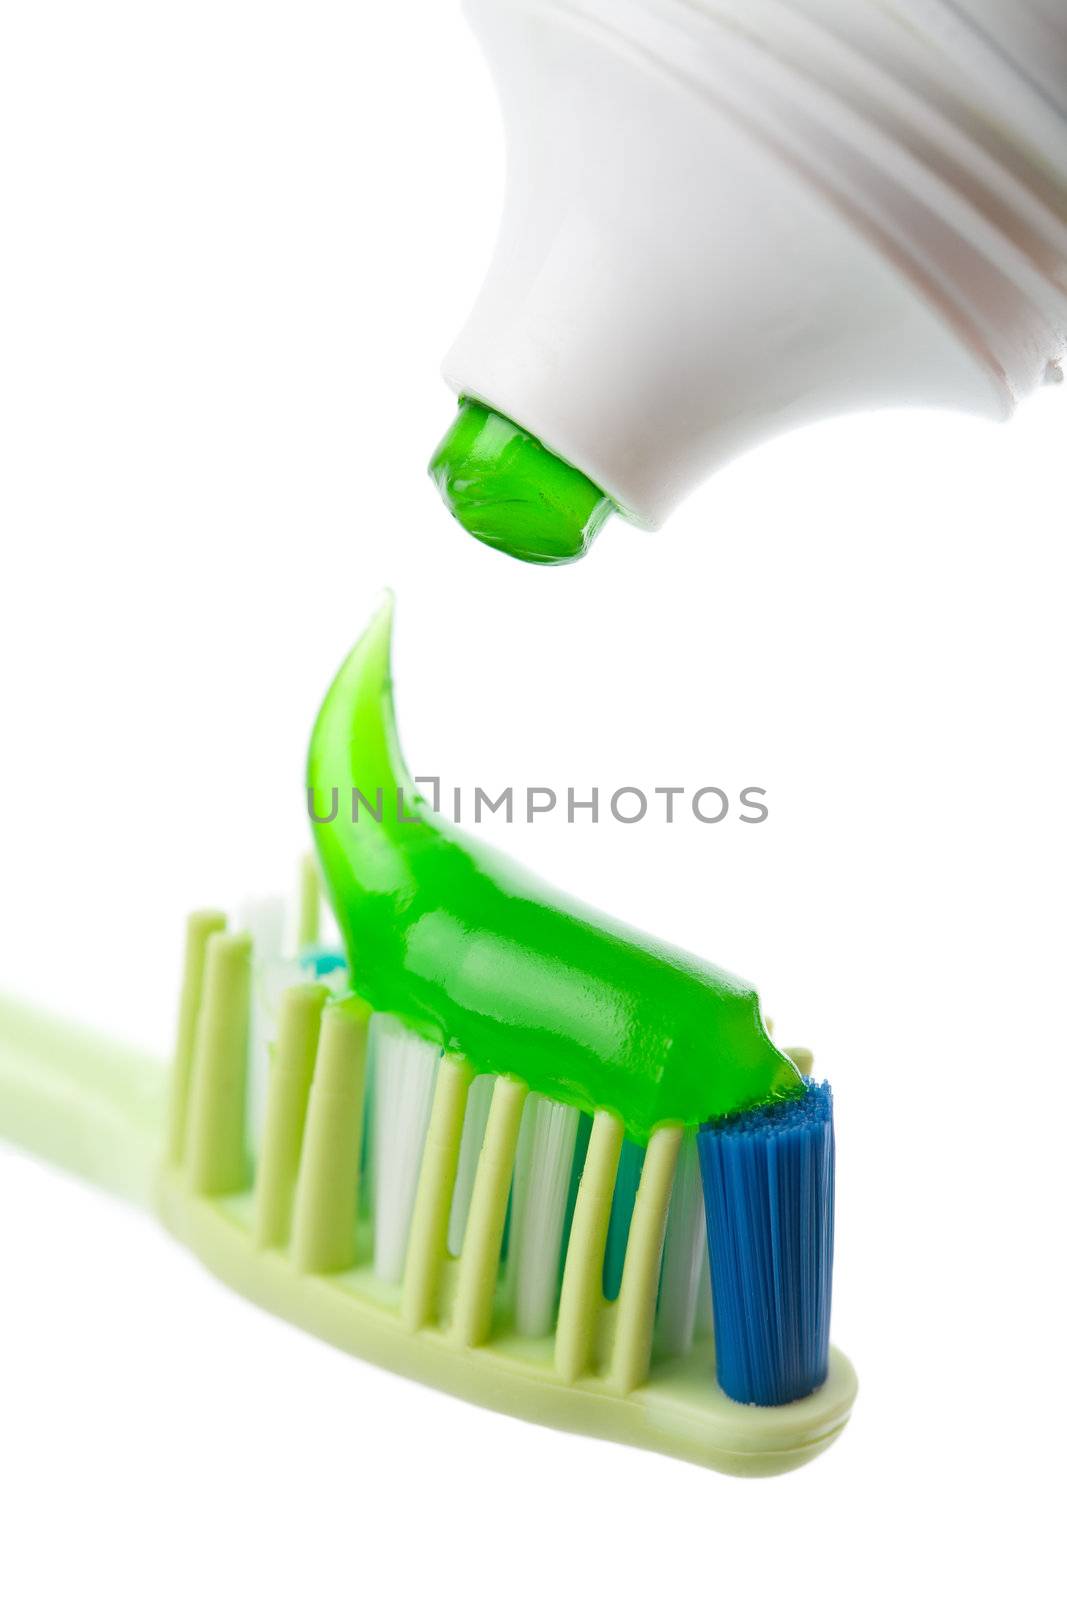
<point x="631" y="1161"/>
<point x="685" y="1257"/>
<point x="474" y="1123"/>
<point x="539" y="1203"/>
<point x="769" y="1195"/>
<point x="405" y="1067"/>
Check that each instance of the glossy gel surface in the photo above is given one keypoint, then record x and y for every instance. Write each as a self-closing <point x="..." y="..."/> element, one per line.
<point x="472" y="952"/>
<point x="504" y="487"/>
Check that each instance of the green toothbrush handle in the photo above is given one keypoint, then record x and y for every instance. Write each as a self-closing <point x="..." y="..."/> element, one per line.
<point x="82" y="1102"/>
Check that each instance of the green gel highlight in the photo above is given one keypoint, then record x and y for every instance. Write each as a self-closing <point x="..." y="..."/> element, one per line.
<point x="469" y="950"/>
<point x="504" y="487"/>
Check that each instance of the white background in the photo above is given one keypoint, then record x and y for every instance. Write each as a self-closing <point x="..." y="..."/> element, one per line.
<point x="236" y="241"/>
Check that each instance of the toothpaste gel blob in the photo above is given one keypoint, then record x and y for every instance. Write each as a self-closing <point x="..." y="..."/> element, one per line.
<point x="472" y="952"/>
<point x="504" y="487"/>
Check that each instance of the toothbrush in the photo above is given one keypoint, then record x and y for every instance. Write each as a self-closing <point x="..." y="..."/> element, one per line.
<point x="448" y="1178"/>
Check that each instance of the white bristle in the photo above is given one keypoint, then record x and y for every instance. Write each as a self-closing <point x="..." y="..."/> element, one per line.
<point x="264" y="919"/>
<point x="337" y="980"/>
<point x="685" y="1256"/>
<point x="474" y="1125"/>
<point x="405" y="1067"/>
<point x="538" y="1206"/>
<point x="329" y="932"/>
<point x="271" y="977"/>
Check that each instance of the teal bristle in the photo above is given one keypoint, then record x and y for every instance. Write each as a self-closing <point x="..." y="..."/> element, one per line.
<point x="631" y="1160"/>
<point x="581" y="1145"/>
<point x="319" y="961"/>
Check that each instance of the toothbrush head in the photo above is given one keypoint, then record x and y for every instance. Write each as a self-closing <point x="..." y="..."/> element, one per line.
<point x="509" y="491"/>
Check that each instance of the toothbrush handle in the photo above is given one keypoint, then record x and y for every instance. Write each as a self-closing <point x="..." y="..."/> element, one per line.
<point x="81" y="1102"/>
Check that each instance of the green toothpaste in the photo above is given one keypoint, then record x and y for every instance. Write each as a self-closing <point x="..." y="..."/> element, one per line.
<point x="471" y="951"/>
<point x="509" y="491"/>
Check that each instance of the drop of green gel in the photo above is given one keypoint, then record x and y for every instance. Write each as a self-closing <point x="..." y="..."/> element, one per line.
<point x="504" y="487"/>
<point x="472" y="952"/>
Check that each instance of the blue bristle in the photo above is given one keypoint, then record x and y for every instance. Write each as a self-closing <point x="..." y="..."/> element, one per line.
<point x="769" y="1196"/>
